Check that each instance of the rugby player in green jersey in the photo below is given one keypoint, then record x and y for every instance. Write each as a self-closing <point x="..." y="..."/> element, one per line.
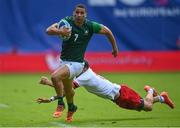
<point x="72" y="54"/>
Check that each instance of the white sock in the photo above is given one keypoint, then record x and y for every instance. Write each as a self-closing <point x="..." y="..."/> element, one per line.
<point x="161" y="99"/>
<point x="151" y="91"/>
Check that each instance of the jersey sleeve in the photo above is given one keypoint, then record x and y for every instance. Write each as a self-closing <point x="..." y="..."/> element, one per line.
<point x="67" y="18"/>
<point x="96" y="27"/>
<point x="60" y="23"/>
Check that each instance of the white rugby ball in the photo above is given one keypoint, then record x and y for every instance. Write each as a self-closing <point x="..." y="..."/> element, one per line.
<point x="64" y="24"/>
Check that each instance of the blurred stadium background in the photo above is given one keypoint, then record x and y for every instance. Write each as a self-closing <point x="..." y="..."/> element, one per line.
<point x="147" y="34"/>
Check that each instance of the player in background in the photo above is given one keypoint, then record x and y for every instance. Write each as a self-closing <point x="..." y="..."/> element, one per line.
<point x="122" y="95"/>
<point x="72" y="54"/>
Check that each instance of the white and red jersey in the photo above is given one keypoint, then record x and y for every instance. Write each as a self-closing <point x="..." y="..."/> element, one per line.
<point x="97" y="85"/>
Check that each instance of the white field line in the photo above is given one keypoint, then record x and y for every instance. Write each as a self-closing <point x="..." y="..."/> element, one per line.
<point x="59" y="124"/>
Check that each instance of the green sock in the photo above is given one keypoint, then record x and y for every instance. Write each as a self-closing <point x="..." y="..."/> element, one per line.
<point x="60" y="100"/>
<point x="71" y="107"/>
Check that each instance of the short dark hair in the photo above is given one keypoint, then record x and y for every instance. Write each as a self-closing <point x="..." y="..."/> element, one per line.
<point x="81" y="6"/>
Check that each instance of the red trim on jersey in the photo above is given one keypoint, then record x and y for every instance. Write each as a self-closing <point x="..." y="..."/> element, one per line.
<point x="75" y="85"/>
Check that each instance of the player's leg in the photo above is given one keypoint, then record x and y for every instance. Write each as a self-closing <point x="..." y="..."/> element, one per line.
<point x="147" y="88"/>
<point x="155" y="93"/>
<point x="164" y="98"/>
<point x="69" y="97"/>
<point x="57" y="77"/>
<point x="68" y="89"/>
<point x="149" y="100"/>
<point x="75" y="69"/>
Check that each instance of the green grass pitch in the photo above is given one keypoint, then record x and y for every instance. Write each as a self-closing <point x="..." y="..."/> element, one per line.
<point x="19" y="91"/>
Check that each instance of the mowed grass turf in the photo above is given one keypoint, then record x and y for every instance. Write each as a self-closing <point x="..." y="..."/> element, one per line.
<point x="19" y="91"/>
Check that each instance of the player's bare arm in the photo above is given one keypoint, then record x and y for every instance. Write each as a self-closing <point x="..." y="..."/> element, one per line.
<point x="43" y="100"/>
<point x="54" y="30"/>
<point x="106" y="31"/>
<point x="46" y="100"/>
<point x="45" y="81"/>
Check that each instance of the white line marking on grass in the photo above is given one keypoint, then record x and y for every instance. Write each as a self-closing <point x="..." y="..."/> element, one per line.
<point x="4" y="106"/>
<point x="61" y="124"/>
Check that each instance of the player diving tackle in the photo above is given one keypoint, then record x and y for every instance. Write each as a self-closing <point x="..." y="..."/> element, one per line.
<point x="122" y="95"/>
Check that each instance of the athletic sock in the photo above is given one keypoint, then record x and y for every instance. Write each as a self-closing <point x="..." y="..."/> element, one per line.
<point x="60" y="100"/>
<point x="71" y="107"/>
<point x="161" y="99"/>
<point x="151" y="91"/>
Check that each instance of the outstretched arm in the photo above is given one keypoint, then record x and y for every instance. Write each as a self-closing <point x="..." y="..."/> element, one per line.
<point x="45" y="81"/>
<point x="106" y="31"/>
<point x="43" y="100"/>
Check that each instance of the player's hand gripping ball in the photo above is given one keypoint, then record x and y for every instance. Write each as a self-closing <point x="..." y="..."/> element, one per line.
<point x="63" y="24"/>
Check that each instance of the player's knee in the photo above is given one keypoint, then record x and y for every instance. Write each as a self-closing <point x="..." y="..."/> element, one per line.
<point x="148" y="100"/>
<point x="147" y="109"/>
<point x="148" y="106"/>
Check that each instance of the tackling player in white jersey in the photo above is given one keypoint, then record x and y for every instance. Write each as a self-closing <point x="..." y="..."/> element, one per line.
<point x="122" y="95"/>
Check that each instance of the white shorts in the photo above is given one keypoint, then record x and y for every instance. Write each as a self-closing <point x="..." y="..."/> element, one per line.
<point x="75" y="68"/>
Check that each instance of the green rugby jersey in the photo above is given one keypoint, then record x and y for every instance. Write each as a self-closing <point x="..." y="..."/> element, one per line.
<point x="74" y="48"/>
